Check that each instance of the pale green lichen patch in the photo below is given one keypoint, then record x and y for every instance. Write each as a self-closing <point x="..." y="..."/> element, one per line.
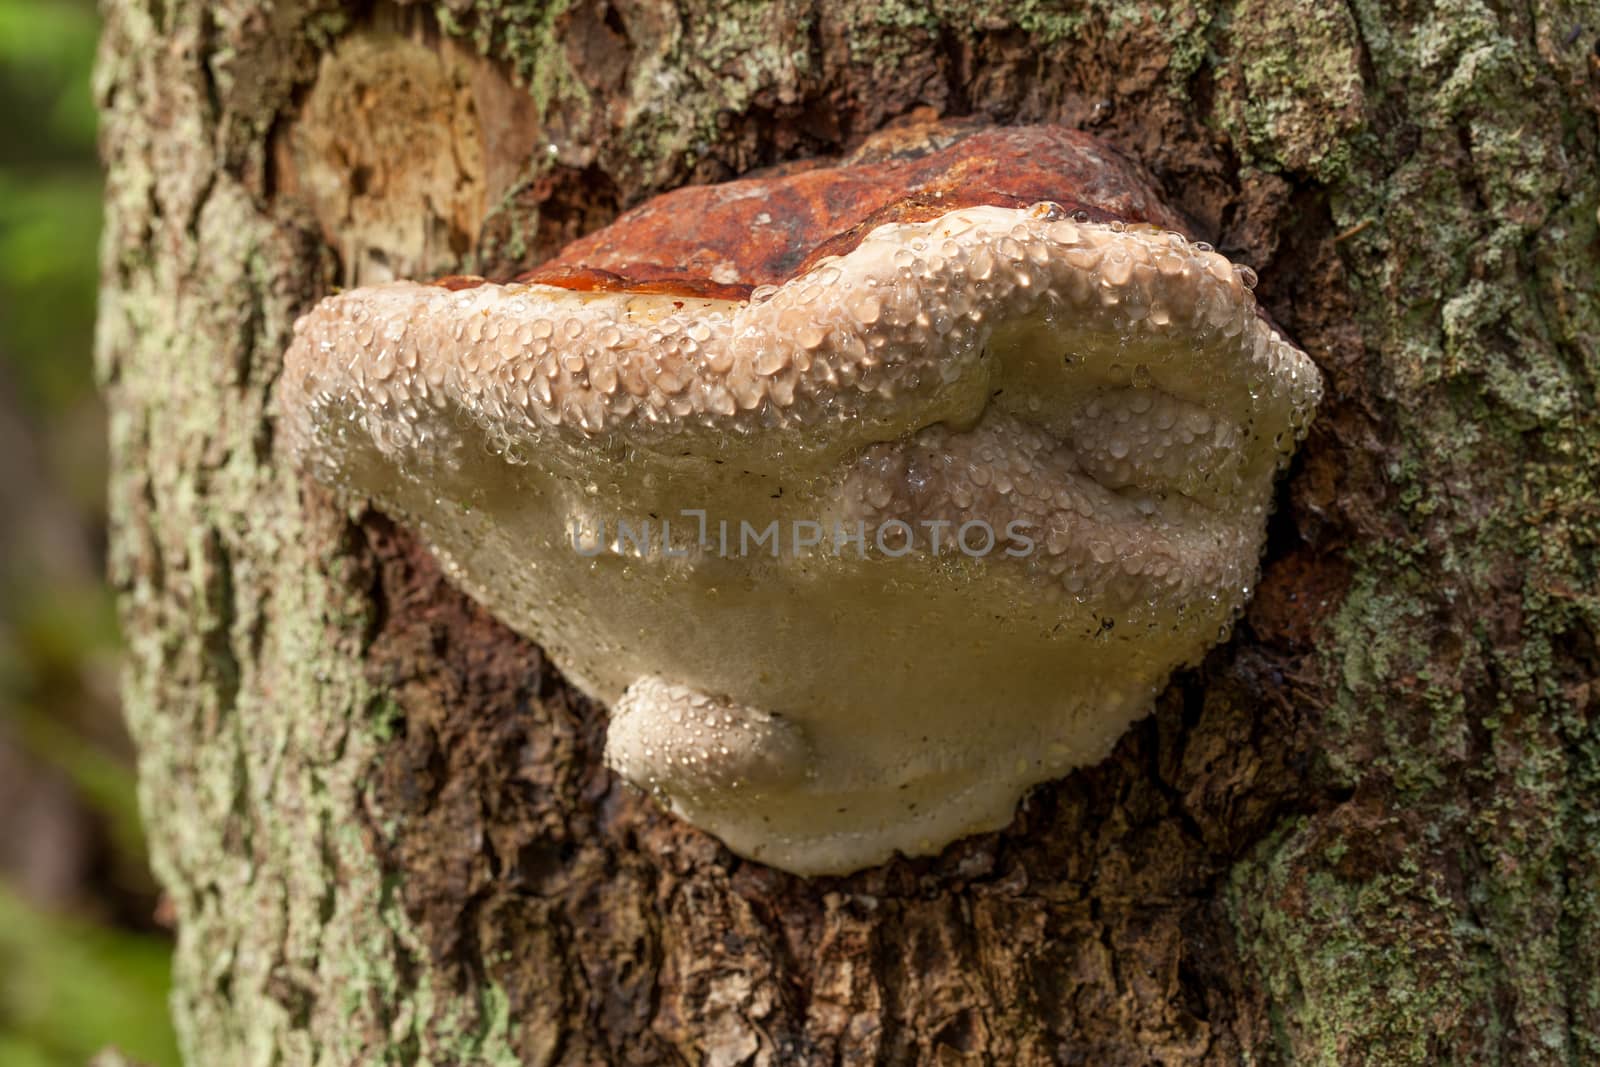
<point x="1346" y="983"/>
<point x="526" y="37"/>
<point x="243" y="684"/>
<point x="1295" y="98"/>
<point x="1466" y="261"/>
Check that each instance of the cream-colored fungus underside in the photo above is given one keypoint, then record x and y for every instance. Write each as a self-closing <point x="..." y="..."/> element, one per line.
<point x="1111" y="389"/>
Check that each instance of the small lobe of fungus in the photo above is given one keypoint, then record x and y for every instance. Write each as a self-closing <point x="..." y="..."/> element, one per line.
<point x="994" y="441"/>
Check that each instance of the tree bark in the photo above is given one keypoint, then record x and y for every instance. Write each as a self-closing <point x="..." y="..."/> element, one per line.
<point x="1364" y="831"/>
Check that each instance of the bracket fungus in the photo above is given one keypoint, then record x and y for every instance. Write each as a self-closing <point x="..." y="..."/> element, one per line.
<point x="865" y="495"/>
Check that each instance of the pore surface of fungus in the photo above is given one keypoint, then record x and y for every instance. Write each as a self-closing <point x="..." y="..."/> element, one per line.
<point x="866" y="495"/>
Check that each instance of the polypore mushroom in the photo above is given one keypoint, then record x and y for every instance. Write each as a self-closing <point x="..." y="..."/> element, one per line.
<point x="857" y="556"/>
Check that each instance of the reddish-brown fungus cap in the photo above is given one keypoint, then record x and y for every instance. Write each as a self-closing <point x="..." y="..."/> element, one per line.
<point x="765" y="230"/>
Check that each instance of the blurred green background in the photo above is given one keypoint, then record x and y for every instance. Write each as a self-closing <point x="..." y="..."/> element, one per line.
<point x="83" y="958"/>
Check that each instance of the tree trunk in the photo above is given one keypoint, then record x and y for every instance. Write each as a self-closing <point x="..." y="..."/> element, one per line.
<point x="1364" y="831"/>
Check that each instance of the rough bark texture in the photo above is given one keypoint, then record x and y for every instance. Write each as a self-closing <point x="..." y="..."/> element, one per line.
<point x="1364" y="832"/>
